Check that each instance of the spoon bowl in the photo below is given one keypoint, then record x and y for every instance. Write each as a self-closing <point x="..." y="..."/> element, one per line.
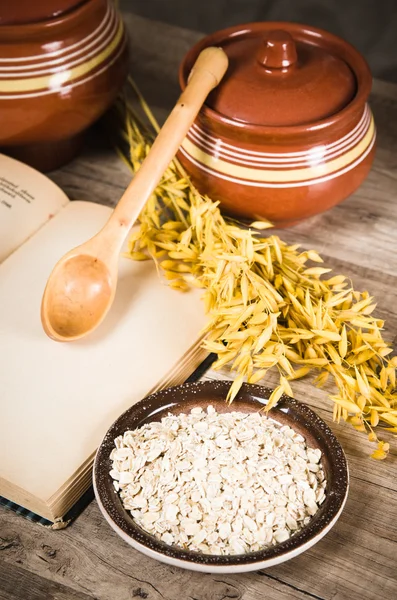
<point x="77" y="297"/>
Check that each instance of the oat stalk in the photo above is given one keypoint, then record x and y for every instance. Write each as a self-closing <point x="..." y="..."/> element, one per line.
<point x="269" y="304"/>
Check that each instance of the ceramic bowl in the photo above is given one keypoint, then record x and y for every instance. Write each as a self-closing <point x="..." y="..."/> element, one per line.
<point x="251" y="398"/>
<point x="288" y="132"/>
<point x="62" y="63"/>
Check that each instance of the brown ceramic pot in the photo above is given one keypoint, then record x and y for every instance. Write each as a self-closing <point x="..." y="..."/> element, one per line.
<point x="62" y="63"/>
<point x="288" y="133"/>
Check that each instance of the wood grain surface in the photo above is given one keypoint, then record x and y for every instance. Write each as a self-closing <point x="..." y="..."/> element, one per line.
<point x="357" y="560"/>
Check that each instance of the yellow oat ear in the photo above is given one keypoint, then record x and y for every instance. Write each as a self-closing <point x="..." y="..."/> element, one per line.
<point x="269" y="306"/>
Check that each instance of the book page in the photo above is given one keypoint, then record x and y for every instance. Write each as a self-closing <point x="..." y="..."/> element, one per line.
<point x="28" y="199"/>
<point x="59" y="399"/>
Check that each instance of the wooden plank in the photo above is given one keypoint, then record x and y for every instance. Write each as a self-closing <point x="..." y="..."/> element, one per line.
<point x="358" y="551"/>
<point x="97" y="175"/>
<point x="90" y="558"/>
<point x="16" y="583"/>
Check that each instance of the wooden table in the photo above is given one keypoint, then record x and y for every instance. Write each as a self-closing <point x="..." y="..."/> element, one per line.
<point x="357" y="560"/>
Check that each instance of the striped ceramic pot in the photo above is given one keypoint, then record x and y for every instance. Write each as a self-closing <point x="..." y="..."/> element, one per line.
<point x="58" y="74"/>
<point x="289" y="133"/>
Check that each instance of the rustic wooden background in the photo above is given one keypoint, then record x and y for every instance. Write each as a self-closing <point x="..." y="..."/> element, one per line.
<point x="357" y="560"/>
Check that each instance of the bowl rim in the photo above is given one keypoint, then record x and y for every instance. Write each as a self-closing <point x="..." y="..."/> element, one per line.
<point x="352" y="57"/>
<point x="118" y="518"/>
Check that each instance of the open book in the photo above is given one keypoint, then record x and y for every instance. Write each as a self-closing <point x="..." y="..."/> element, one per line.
<point x="58" y="399"/>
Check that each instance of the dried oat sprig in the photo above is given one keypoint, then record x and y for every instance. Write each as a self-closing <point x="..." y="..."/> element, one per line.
<point x="268" y="306"/>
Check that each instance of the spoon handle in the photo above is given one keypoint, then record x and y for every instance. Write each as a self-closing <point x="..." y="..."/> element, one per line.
<point x="206" y="73"/>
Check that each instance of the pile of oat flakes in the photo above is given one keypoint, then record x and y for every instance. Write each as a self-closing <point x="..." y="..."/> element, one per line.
<point x="227" y="483"/>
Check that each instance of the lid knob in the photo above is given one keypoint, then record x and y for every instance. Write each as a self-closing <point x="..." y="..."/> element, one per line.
<point x="278" y="51"/>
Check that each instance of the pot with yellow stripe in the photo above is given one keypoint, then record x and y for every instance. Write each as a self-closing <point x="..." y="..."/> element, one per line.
<point x="288" y="133"/>
<point x="62" y="63"/>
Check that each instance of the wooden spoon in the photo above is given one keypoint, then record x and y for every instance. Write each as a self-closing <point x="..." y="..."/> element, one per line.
<point x="82" y="286"/>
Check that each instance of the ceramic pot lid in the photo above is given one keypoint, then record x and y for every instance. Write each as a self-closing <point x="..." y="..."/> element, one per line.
<point x="282" y="76"/>
<point x="23" y="12"/>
